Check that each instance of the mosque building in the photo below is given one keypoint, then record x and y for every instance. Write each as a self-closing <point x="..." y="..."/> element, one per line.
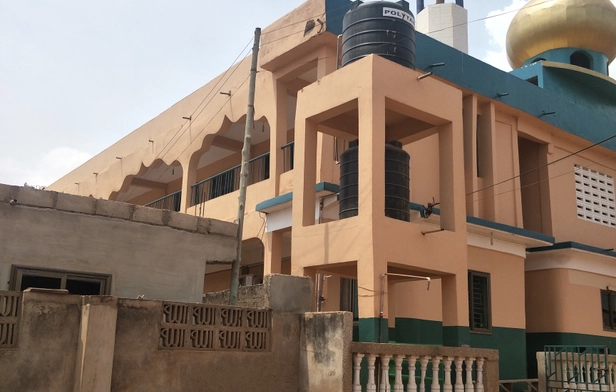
<point x="443" y="201"/>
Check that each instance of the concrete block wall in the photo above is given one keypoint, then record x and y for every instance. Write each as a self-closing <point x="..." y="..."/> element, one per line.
<point x="69" y="343"/>
<point x="157" y="253"/>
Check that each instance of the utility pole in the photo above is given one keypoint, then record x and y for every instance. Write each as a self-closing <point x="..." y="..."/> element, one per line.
<point x="250" y="118"/>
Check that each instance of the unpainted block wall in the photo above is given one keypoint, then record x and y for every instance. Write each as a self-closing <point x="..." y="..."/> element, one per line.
<point x="156" y="253"/>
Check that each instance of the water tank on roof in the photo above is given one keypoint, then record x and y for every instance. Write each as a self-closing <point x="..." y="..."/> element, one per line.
<point x="379" y="27"/>
<point x="397" y="193"/>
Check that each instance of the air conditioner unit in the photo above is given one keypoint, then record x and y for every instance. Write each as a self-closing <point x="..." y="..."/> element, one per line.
<point x="246" y="280"/>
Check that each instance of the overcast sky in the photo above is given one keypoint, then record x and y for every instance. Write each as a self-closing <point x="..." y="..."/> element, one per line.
<point x="76" y="76"/>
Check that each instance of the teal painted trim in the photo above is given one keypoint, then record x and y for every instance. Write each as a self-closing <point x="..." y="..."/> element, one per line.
<point x="392" y="334"/>
<point x="536" y="340"/>
<point x="373" y="330"/>
<point x="510" y="229"/>
<point x="563" y="55"/>
<point x="579" y="119"/>
<point x="511" y="346"/>
<point x="493" y="225"/>
<point x="417" y="331"/>
<point x="287" y="197"/>
<point x="334" y="12"/>
<point x="574" y="245"/>
<point x="456" y="336"/>
<point x="328" y="186"/>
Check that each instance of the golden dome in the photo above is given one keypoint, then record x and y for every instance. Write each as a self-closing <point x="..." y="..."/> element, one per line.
<point x="542" y="25"/>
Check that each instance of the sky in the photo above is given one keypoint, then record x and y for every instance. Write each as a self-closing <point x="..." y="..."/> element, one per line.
<point x="77" y="76"/>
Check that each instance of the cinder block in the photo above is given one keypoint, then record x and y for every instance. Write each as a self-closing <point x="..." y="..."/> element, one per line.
<point x="223" y="228"/>
<point x="113" y="209"/>
<point x="34" y="197"/>
<point x="6" y="192"/>
<point x="203" y="225"/>
<point x="152" y="216"/>
<point x="73" y="203"/>
<point x="182" y="221"/>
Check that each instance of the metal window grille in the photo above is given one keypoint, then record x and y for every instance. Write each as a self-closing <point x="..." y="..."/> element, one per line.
<point x="595" y="196"/>
<point x="479" y="301"/>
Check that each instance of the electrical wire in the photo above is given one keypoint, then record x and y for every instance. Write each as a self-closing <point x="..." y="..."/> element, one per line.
<point x="544" y="165"/>
<point x="540" y="181"/>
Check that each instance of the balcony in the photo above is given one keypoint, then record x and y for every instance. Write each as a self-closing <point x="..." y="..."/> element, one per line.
<point x="170" y="202"/>
<point x="229" y="180"/>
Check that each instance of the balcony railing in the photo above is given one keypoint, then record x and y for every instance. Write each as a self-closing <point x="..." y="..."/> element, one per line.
<point x="229" y="180"/>
<point x="288" y="152"/>
<point x="170" y="202"/>
<point x="396" y="367"/>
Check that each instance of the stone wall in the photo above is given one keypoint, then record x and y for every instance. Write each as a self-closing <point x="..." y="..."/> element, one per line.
<point x="156" y="253"/>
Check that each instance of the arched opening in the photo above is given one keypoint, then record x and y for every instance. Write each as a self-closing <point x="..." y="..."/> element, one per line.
<point x="218" y="163"/>
<point x="581" y="59"/>
<point x="157" y="186"/>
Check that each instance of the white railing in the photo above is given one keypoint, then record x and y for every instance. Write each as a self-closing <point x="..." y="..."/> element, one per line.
<point x="429" y="368"/>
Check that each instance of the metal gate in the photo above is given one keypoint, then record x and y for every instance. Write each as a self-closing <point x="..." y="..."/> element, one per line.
<point x="577" y="368"/>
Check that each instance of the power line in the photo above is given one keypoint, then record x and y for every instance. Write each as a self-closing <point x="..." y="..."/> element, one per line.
<point x="541" y="181"/>
<point x="544" y="165"/>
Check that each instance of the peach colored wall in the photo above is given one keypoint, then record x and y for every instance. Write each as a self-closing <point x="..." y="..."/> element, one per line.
<point x="414" y="300"/>
<point x="563" y="300"/>
<point x="506" y="168"/>
<point x="506" y="285"/>
<point x="566" y="224"/>
<point x="424" y="171"/>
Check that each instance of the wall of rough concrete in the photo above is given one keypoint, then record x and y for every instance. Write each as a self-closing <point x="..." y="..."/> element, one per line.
<point x="139" y="366"/>
<point x="281" y="293"/>
<point x="45" y="357"/>
<point x="151" y="252"/>
<point x="325" y="352"/>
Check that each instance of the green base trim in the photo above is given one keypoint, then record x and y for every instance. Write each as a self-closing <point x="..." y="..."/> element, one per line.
<point x="456" y="336"/>
<point x="536" y="340"/>
<point x="417" y="331"/>
<point x="511" y="346"/>
<point x="373" y="330"/>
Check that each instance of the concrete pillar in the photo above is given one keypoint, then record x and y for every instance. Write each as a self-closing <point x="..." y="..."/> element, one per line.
<point x="278" y="134"/>
<point x="273" y="253"/>
<point x="373" y="302"/>
<point x="96" y="344"/>
<point x="189" y="178"/>
<point x="456" y="331"/>
<point x="487" y="161"/>
<point x="325" y="143"/>
<point x="470" y="153"/>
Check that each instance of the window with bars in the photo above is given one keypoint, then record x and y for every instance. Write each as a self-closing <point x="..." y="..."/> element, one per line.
<point x="594" y="192"/>
<point x="479" y="301"/>
<point x="608" y="309"/>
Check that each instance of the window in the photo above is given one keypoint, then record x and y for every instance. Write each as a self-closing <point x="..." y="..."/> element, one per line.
<point x="594" y="192"/>
<point x="581" y="59"/>
<point x="75" y="282"/>
<point x="608" y="309"/>
<point x="479" y="301"/>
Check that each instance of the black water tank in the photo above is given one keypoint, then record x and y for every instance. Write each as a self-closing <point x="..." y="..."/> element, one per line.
<point x="379" y="27"/>
<point x="397" y="179"/>
<point x="349" y="176"/>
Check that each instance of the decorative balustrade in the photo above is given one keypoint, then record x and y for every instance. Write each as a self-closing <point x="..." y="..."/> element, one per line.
<point x="399" y="368"/>
<point x="229" y="180"/>
<point x="170" y="202"/>
<point x="576" y="368"/>
<point x="9" y="318"/>
<point x="186" y="326"/>
<point x="288" y="153"/>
